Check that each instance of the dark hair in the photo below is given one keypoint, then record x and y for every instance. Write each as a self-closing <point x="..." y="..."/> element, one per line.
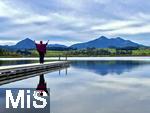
<point x="41" y="42"/>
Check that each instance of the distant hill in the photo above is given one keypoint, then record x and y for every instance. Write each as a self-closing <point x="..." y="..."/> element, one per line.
<point x="24" y="44"/>
<point x="4" y="47"/>
<point x="57" y="45"/>
<point x="104" y="42"/>
<point x="29" y="44"/>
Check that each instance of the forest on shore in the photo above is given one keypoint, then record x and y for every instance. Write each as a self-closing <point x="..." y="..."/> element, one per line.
<point x="88" y="52"/>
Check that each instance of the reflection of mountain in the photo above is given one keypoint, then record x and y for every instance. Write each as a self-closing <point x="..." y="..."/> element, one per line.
<point x="107" y="67"/>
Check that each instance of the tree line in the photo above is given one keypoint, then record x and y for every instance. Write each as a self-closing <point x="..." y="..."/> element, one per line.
<point x="82" y="52"/>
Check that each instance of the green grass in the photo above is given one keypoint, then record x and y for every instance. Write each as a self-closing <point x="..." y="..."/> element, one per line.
<point x="81" y="53"/>
<point x="141" y="52"/>
<point x="50" y="53"/>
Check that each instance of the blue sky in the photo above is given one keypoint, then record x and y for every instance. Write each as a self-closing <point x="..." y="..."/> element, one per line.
<point x="71" y="21"/>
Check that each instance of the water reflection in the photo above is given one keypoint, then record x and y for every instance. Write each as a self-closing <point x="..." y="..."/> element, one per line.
<point x="84" y="91"/>
<point x="66" y="71"/>
<point x="42" y="86"/>
<point x="108" y="67"/>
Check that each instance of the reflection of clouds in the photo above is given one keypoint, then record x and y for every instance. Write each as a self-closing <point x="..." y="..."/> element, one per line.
<point x="88" y="92"/>
<point x="124" y="81"/>
<point x="81" y="81"/>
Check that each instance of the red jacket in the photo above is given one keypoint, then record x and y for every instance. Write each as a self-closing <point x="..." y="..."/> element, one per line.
<point x="41" y="48"/>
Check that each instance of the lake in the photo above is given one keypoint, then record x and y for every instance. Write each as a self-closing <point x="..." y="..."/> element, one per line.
<point x="95" y="86"/>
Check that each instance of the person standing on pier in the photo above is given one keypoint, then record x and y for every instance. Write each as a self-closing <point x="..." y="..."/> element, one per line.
<point x="41" y="48"/>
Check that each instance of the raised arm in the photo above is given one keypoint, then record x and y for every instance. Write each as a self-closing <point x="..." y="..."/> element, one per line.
<point x="47" y="42"/>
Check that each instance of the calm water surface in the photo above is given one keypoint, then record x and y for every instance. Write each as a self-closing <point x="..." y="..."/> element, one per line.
<point x="96" y="87"/>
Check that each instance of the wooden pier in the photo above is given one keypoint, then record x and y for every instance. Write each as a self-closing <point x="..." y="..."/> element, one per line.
<point x="24" y="68"/>
<point x="14" y="73"/>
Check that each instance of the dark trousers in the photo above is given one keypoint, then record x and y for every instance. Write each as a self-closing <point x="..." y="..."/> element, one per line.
<point x="41" y="54"/>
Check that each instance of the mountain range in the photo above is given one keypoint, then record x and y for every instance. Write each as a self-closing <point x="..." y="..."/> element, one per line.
<point x="101" y="42"/>
<point x="104" y="42"/>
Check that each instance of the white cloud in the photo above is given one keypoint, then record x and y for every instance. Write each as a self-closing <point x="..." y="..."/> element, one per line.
<point x="78" y="21"/>
<point x="6" y="10"/>
<point x="132" y="30"/>
<point x="31" y="19"/>
<point x="6" y="42"/>
<point x="115" y="25"/>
